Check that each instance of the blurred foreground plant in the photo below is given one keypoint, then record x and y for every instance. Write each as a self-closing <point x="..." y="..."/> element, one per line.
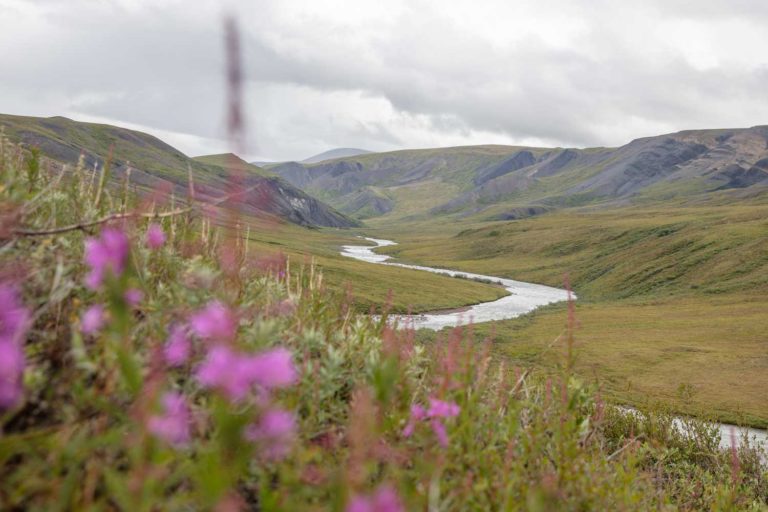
<point x="156" y="364"/>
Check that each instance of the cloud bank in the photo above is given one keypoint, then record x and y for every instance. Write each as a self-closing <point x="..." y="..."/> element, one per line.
<point x="392" y="75"/>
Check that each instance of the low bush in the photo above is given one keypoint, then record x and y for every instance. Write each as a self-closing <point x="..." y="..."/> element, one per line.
<point x="150" y="361"/>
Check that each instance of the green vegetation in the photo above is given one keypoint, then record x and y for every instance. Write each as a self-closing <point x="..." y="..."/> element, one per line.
<point x="232" y="162"/>
<point x="670" y="298"/>
<point x="371" y="286"/>
<point x="63" y="140"/>
<point x="170" y="367"/>
<point x="410" y="290"/>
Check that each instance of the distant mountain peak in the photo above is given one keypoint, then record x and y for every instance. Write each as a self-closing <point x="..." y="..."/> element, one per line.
<point x="335" y="153"/>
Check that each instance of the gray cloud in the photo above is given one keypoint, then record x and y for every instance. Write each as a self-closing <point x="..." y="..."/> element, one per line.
<point x="404" y="74"/>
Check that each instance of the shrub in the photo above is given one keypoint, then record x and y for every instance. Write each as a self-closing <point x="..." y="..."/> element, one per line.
<point x="157" y="365"/>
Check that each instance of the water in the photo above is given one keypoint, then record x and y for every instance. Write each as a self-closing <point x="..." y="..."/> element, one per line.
<point x="523" y="297"/>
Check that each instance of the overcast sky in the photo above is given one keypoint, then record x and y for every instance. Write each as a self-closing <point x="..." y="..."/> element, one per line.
<point x="383" y="75"/>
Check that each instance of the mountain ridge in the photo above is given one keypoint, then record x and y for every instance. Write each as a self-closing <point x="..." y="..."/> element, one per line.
<point x="156" y="165"/>
<point x="496" y="181"/>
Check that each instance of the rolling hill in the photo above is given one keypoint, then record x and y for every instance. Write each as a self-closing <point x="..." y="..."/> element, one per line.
<point x="156" y="165"/>
<point x="509" y="182"/>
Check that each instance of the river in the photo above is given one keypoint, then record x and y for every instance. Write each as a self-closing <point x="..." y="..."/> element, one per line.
<point x="523" y="298"/>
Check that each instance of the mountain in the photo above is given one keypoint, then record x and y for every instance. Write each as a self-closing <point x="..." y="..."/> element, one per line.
<point x="507" y="182"/>
<point x="233" y="162"/>
<point x="156" y="165"/>
<point x="335" y="153"/>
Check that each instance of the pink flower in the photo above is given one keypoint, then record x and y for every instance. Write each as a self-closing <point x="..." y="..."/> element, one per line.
<point x="93" y="319"/>
<point x="14" y="317"/>
<point x="11" y="373"/>
<point x="440" y="409"/>
<point x="108" y="253"/>
<point x="440" y="433"/>
<point x="215" y="322"/>
<point x="172" y="426"/>
<point x="272" y="369"/>
<point x="14" y="322"/>
<point x="418" y="413"/>
<point x="385" y="499"/>
<point x="437" y="409"/>
<point x="226" y="370"/>
<point x="177" y="347"/>
<point x="155" y="236"/>
<point x="236" y="373"/>
<point x="133" y="297"/>
<point x="275" y="432"/>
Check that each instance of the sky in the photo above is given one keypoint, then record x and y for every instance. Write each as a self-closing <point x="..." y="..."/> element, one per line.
<point x="388" y="75"/>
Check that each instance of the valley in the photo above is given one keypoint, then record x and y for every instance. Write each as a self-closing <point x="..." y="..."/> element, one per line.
<point x="664" y="240"/>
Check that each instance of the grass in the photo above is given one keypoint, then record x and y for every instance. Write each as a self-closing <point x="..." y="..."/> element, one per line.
<point x="410" y="290"/>
<point x="363" y="412"/>
<point x="697" y="356"/>
<point x="371" y="285"/>
<point x="671" y="300"/>
<point x="232" y="162"/>
<point x="610" y="253"/>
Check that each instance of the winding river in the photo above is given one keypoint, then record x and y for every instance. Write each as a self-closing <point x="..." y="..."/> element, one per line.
<point x="523" y="298"/>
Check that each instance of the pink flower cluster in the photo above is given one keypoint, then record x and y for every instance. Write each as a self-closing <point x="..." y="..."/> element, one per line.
<point x="155" y="236"/>
<point x="438" y="409"/>
<point x="177" y="348"/>
<point x="235" y="373"/>
<point x="173" y="425"/>
<point x="274" y="432"/>
<point x="108" y="253"/>
<point x="385" y="499"/>
<point x="14" y="322"/>
<point x="215" y="322"/>
<point x="93" y="319"/>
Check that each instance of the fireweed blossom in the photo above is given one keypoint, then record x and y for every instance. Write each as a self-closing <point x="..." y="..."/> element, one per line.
<point x="155" y="236"/>
<point x="177" y="347"/>
<point x="214" y="322"/>
<point x="275" y="432"/>
<point x="108" y="253"/>
<point x="235" y="373"/>
<point x="93" y="319"/>
<point x="173" y="425"/>
<point x="385" y="499"/>
<point x="14" y="323"/>
<point x="133" y="297"/>
<point x="438" y="409"/>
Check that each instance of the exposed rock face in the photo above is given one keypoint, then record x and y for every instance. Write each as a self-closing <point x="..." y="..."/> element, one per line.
<point x="641" y="163"/>
<point x="735" y="176"/>
<point x="556" y="163"/>
<point x="516" y="162"/>
<point x="481" y="177"/>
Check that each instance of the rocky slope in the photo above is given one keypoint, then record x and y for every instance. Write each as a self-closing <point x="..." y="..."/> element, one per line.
<point x="156" y="165"/>
<point x="512" y="182"/>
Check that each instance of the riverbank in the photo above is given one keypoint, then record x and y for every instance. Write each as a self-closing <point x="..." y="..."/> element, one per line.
<point x="522" y="297"/>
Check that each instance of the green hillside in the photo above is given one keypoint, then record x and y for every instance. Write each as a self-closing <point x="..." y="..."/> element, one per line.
<point x="155" y="167"/>
<point x="232" y="162"/>
<point x="484" y="183"/>
<point x="672" y="300"/>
